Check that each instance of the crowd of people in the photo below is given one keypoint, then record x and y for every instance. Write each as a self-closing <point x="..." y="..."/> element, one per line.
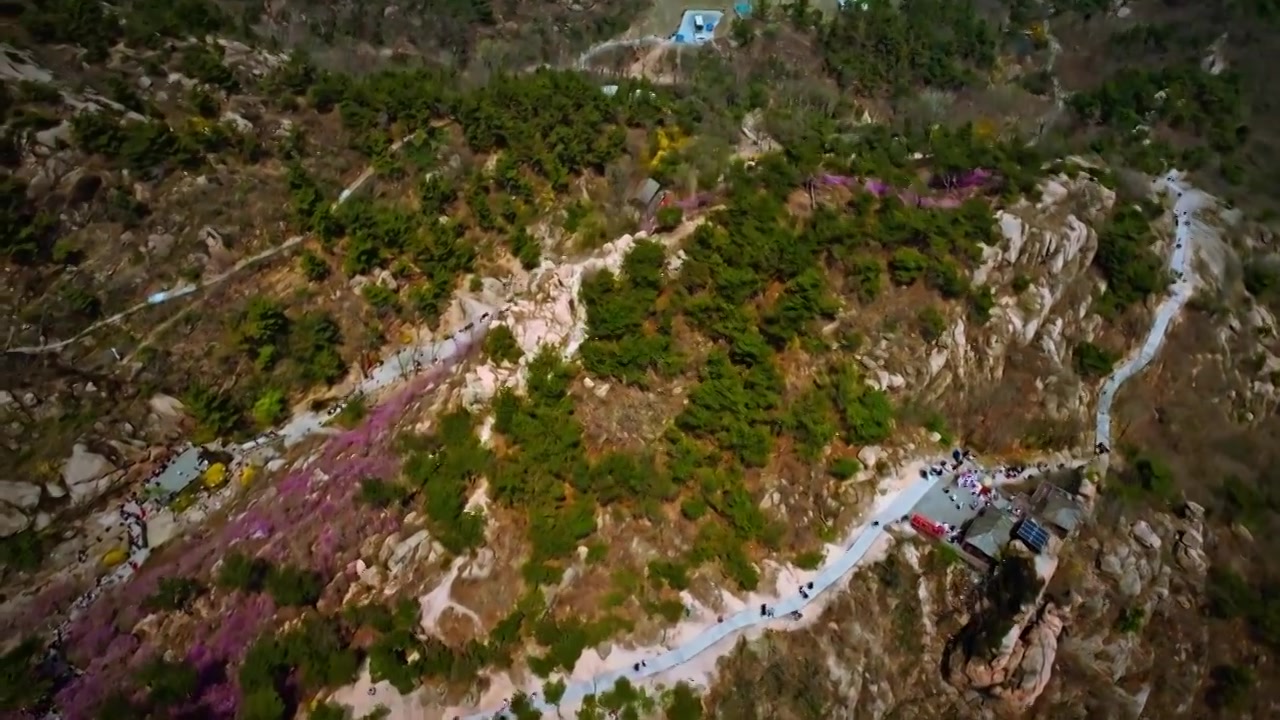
<point x="980" y="495"/>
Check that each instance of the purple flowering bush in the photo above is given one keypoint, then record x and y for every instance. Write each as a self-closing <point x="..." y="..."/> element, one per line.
<point x="51" y="602"/>
<point x="314" y="521"/>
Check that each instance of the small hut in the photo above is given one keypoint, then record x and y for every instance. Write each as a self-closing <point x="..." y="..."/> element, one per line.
<point x="647" y="195"/>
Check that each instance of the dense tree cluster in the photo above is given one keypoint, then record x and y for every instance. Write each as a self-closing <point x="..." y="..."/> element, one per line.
<point x="315" y="654"/>
<point x="881" y="47"/>
<point x="141" y="23"/>
<point x="147" y="144"/>
<point x="288" y="353"/>
<point x="1133" y="270"/>
<point x="560" y="123"/>
<point x="1196" y="104"/>
<point x="628" y="337"/>
<point x="288" y="586"/>
<point x="1091" y="361"/>
<point x="444" y="468"/>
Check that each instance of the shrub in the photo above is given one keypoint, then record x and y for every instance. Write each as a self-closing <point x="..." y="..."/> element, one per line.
<point x="843" y="468"/>
<point x="1092" y="361"/>
<point x="174" y="593"/>
<point x="526" y="249"/>
<point x="215" y="410"/>
<point x="270" y="408"/>
<point x="241" y="572"/>
<point x="672" y="574"/>
<point x="500" y="345"/>
<point x="1149" y="477"/>
<point x="294" y="587"/>
<point x="1131" y="620"/>
<point x="1230" y="687"/>
<point x="24" y="551"/>
<point x="381" y="493"/>
<point x="25" y="232"/>
<point x="669" y="217"/>
<point x="981" y="303"/>
<point x="683" y="703"/>
<point x="810" y="559"/>
<point x="381" y="297"/>
<point x="313" y="267"/>
<point x="21" y="686"/>
<point x="907" y="266"/>
<point x="932" y="324"/>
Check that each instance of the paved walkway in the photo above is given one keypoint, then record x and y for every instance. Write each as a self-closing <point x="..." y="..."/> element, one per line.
<point x="1189" y="202"/>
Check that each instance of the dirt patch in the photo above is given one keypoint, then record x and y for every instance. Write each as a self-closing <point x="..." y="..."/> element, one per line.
<point x="619" y="417"/>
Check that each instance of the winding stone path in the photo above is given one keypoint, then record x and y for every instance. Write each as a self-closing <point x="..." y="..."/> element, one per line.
<point x="1189" y="200"/>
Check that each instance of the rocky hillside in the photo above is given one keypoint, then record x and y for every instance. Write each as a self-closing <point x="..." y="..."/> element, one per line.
<point x="345" y="366"/>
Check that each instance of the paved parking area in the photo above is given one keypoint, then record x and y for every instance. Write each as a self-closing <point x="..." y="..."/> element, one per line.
<point x="952" y="504"/>
<point x="938" y="506"/>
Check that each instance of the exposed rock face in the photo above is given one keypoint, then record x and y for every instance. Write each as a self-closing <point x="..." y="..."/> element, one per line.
<point x="12" y="521"/>
<point x="1051" y="244"/>
<point x="547" y="313"/>
<point x="17" y="499"/>
<point x="1143" y="533"/>
<point x="1132" y="567"/>
<point x="1189" y="550"/>
<point x="401" y="551"/>
<point x="1031" y="664"/>
<point x="161" y="528"/>
<point x="1133" y="578"/>
<point x="1017" y="671"/>
<point x="869" y="456"/>
<point x="19" y="494"/>
<point x="87" y="475"/>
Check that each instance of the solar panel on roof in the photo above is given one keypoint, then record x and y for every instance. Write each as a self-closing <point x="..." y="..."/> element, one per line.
<point x="1033" y="535"/>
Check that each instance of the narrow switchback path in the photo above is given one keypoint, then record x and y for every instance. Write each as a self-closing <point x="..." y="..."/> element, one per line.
<point x="160" y="298"/>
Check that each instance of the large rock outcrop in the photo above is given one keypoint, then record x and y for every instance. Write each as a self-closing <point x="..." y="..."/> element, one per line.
<point x="1046" y="244"/>
<point x="87" y="475"/>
